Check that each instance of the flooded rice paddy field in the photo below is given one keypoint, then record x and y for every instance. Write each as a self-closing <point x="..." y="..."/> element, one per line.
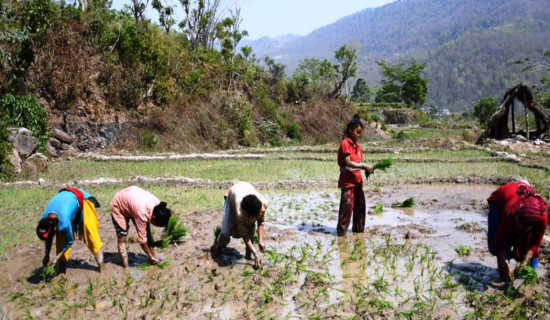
<point x="405" y="265"/>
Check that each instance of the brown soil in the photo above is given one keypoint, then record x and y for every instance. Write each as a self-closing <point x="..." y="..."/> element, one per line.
<point x="193" y="285"/>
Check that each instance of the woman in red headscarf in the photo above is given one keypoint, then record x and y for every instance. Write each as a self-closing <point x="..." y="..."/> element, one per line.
<point x="517" y="223"/>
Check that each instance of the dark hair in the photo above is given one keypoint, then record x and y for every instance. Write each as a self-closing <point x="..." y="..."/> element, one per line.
<point x="353" y="123"/>
<point x="45" y="228"/>
<point x="251" y="205"/>
<point x="161" y="214"/>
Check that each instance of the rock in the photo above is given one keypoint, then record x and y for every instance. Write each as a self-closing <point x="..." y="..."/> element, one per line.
<point x="537" y="142"/>
<point x="65" y="147"/>
<point x="24" y="142"/>
<point x="62" y="135"/>
<point x="15" y="160"/>
<point x="520" y="138"/>
<point x="36" y="163"/>
<point x="55" y="143"/>
<point x="512" y="157"/>
<point x="13" y="133"/>
<point x="51" y="150"/>
<point x="41" y="182"/>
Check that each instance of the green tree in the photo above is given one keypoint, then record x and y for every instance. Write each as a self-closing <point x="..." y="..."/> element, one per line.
<point x="347" y="59"/>
<point x="485" y="108"/>
<point x="413" y="89"/>
<point x="320" y="74"/>
<point x="276" y="70"/>
<point x="361" y="91"/>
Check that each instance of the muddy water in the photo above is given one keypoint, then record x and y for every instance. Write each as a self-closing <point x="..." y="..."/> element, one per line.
<point x="422" y="265"/>
<point x="405" y="264"/>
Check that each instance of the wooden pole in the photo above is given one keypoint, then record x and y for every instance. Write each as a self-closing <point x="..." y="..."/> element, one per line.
<point x="513" y="117"/>
<point x="526" y="116"/>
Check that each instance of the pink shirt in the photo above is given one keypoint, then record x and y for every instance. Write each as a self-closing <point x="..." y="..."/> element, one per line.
<point x="137" y="204"/>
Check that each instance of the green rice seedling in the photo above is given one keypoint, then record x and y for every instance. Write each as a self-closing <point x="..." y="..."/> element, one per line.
<point x="383" y="165"/>
<point x="463" y="250"/>
<point x="163" y="264"/>
<point x="379" y="207"/>
<point x="408" y="203"/>
<point x="143" y="266"/>
<point x="527" y="273"/>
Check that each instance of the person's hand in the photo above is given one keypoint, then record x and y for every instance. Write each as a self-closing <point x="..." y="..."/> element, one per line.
<point x="258" y="261"/>
<point x="261" y="245"/>
<point x="153" y="260"/>
<point x="45" y="261"/>
<point x="368" y="169"/>
<point x="506" y="273"/>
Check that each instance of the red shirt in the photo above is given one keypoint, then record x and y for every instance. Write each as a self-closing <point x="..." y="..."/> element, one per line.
<point x="505" y="198"/>
<point x="349" y="178"/>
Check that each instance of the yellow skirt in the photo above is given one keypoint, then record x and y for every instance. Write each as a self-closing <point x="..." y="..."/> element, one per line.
<point x="91" y="232"/>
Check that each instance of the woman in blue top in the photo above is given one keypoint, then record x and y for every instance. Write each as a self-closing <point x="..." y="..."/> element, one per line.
<point x="70" y="214"/>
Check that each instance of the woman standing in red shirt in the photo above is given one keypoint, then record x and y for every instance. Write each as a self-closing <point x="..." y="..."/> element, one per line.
<point x="351" y="180"/>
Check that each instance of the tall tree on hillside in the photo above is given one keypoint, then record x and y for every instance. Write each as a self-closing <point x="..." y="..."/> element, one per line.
<point x="166" y="15"/>
<point x="201" y="20"/>
<point x="347" y="59"/>
<point x="361" y="91"/>
<point x="230" y="34"/>
<point x="138" y="8"/>
<point x="413" y="89"/>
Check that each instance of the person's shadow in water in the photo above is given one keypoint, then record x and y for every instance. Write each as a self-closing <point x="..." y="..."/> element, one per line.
<point x="476" y="276"/>
<point x="226" y="257"/>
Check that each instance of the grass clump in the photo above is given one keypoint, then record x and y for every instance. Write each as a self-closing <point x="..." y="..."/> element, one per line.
<point x="383" y="165"/>
<point x="409" y="203"/>
<point x="463" y="250"/>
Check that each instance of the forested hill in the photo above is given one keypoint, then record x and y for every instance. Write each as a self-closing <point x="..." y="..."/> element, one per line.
<point x="467" y="45"/>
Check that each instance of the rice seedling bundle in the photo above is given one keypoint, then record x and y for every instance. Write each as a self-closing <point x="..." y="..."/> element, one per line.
<point x="173" y="232"/>
<point x="527" y="273"/>
<point x="382" y="165"/>
<point x="409" y="203"/>
<point x="379" y="207"/>
<point x="48" y="272"/>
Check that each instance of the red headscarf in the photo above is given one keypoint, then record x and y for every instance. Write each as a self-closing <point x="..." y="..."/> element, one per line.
<point x="529" y="207"/>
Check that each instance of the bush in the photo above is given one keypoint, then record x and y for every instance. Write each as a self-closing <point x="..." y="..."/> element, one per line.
<point x="148" y="139"/>
<point x="293" y="132"/>
<point x="25" y="111"/>
<point x="374" y="116"/>
<point x="6" y="169"/>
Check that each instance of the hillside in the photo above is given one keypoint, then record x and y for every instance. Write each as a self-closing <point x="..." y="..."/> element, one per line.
<point x="467" y="45"/>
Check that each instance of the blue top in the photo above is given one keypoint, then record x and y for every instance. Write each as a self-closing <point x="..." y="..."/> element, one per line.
<point x="65" y="206"/>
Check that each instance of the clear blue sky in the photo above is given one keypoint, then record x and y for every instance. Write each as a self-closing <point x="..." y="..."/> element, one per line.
<point x="279" y="17"/>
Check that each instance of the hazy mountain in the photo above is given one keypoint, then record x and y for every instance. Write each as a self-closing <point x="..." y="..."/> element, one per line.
<point x="467" y="45"/>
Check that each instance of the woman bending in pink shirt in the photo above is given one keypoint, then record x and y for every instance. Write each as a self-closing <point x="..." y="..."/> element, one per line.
<point x="143" y="208"/>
